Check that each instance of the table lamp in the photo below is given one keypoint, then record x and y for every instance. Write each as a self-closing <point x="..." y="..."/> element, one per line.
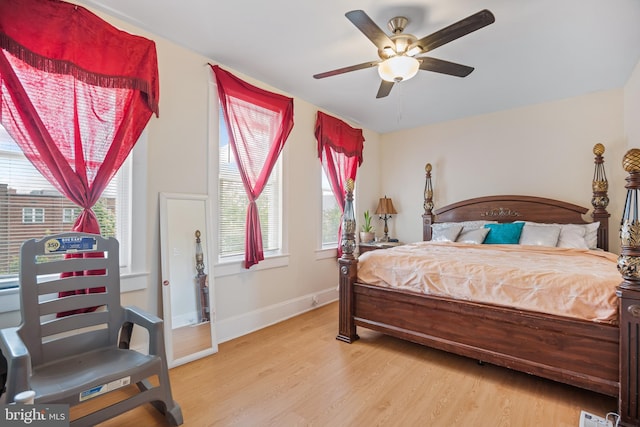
<point x="385" y="209"/>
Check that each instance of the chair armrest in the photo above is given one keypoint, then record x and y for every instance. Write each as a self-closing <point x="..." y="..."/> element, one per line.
<point x="18" y="363"/>
<point x="140" y="317"/>
<point x="151" y="323"/>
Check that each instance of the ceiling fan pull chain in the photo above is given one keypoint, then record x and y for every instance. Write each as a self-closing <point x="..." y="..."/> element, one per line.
<point x="399" y="91"/>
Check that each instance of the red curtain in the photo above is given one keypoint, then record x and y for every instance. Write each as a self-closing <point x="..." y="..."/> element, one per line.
<point x="255" y="119"/>
<point x="76" y="93"/>
<point x="340" y="152"/>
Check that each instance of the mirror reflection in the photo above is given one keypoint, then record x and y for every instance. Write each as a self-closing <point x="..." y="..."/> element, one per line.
<point x="186" y="283"/>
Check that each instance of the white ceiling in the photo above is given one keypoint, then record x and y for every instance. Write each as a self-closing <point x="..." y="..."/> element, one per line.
<point x="536" y="51"/>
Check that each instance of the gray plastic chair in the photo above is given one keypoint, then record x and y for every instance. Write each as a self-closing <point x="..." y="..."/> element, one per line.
<point x="70" y="359"/>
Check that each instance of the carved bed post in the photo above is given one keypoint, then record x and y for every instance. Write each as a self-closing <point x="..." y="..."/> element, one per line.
<point x="348" y="270"/>
<point x="427" y="217"/>
<point x="600" y="199"/>
<point x="629" y="293"/>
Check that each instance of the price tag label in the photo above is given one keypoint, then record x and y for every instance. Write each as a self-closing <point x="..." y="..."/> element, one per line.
<point x="70" y="244"/>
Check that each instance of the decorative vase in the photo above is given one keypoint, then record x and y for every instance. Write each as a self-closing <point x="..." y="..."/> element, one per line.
<point x="367" y="236"/>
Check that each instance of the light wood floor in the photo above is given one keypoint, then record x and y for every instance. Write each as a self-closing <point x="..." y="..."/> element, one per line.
<point x="297" y="374"/>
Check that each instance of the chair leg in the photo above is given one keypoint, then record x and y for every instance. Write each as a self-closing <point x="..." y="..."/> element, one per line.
<point x="174" y="415"/>
<point x="167" y="406"/>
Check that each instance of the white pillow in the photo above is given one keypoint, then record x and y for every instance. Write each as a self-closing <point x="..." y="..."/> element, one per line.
<point x="473" y="236"/>
<point x="445" y="232"/>
<point x="591" y="234"/>
<point x="572" y="236"/>
<point x="465" y="224"/>
<point x="579" y="236"/>
<point x="539" y="235"/>
<point x="439" y="235"/>
<point x="471" y="225"/>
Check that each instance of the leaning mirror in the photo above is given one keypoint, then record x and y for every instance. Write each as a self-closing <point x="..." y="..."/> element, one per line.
<point x="186" y="284"/>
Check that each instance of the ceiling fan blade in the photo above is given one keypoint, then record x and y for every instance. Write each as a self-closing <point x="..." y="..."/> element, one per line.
<point x="369" y="28"/>
<point x="385" y="88"/>
<point x="346" y="69"/>
<point x="455" y="31"/>
<point x="444" y="67"/>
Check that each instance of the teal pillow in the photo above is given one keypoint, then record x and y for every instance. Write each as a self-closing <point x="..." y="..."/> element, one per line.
<point x="507" y="233"/>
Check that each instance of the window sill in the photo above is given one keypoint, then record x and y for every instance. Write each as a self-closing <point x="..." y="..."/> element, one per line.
<point x="236" y="266"/>
<point x="326" y="253"/>
<point x="130" y="282"/>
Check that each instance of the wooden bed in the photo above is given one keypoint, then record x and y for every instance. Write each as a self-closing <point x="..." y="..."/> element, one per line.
<point x="594" y="356"/>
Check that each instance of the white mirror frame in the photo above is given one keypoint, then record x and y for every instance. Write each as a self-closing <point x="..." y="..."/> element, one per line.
<point x="180" y="216"/>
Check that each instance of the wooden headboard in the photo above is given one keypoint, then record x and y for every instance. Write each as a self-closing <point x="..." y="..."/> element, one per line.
<point x="508" y="208"/>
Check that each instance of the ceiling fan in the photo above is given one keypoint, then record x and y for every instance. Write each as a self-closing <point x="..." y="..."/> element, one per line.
<point x="398" y="60"/>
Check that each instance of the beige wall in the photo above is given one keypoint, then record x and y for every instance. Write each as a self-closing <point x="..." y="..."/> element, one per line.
<point x="540" y="150"/>
<point x="632" y="109"/>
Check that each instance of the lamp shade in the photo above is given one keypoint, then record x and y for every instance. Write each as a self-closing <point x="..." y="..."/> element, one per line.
<point x="398" y="68"/>
<point x="385" y="207"/>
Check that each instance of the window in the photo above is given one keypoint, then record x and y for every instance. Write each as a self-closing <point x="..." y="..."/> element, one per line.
<point x="69" y="215"/>
<point x="330" y="214"/>
<point x="232" y="204"/>
<point x="25" y="197"/>
<point x="33" y="215"/>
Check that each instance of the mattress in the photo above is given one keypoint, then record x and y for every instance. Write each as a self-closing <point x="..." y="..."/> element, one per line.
<point x="577" y="283"/>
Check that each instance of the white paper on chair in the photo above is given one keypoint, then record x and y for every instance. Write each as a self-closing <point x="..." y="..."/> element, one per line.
<point x="590" y="420"/>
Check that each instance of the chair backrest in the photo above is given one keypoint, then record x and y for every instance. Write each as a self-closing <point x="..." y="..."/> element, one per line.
<point x="77" y="265"/>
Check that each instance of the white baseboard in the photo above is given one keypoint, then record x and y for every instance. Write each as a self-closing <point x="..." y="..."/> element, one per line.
<point x="238" y="326"/>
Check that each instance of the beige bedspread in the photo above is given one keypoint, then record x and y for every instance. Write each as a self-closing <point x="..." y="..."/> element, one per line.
<point x="567" y="282"/>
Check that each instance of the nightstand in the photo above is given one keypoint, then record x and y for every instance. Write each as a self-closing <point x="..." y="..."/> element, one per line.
<point x="366" y="247"/>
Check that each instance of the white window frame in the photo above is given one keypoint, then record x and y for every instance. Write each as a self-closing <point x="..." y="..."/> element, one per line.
<point x="324" y="193"/>
<point x="69" y="215"/>
<point x="233" y="265"/>
<point x="32" y="215"/>
<point x="324" y="250"/>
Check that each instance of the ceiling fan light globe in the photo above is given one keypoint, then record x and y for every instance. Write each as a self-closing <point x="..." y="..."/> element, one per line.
<point x="398" y="68"/>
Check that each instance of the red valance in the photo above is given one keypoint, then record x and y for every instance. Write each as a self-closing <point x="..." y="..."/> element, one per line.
<point x="339" y="135"/>
<point x="62" y="38"/>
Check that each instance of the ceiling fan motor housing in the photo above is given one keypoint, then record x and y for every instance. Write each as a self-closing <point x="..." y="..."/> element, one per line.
<point x="398" y="24"/>
<point x="401" y="41"/>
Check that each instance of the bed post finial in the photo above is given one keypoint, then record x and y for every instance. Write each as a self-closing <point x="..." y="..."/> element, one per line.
<point x="600" y="199"/>
<point x="348" y="223"/>
<point x="629" y="293"/>
<point x="428" y="217"/>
